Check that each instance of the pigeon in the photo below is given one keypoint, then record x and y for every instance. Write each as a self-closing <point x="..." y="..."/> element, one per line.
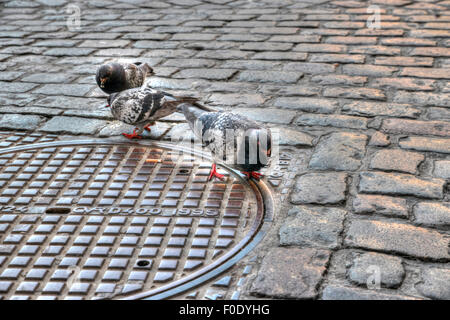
<point x="115" y="77"/>
<point x="242" y="143"/>
<point x="142" y="106"/>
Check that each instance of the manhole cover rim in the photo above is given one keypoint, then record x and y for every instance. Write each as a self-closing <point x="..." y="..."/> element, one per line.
<point x="264" y="209"/>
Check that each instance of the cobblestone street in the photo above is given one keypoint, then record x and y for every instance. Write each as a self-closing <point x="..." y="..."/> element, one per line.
<point x="358" y="91"/>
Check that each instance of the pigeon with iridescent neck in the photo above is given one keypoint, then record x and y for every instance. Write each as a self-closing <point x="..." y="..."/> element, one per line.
<point x="241" y="143"/>
<point x="115" y="77"/>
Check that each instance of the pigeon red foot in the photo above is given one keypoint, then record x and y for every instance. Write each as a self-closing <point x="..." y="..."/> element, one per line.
<point x="133" y="135"/>
<point x="252" y="174"/>
<point x="214" y="173"/>
<point x="147" y="127"/>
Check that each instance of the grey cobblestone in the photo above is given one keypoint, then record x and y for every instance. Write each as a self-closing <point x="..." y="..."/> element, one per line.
<point x="426" y="144"/>
<point x="307" y="104"/>
<point x="401" y="184"/>
<point x="320" y="227"/>
<point x="333" y="292"/>
<point x="397" y="238"/>
<point x="396" y="160"/>
<point x="391" y="269"/>
<point x="376" y="204"/>
<point x="341" y="151"/>
<point x="432" y="214"/>
<point x="290" y="273"/>
<point x="320" y="188"/>
<point x="314" y="71"/>
<point x="434" y="283"/>
<point x="73" y="125"/>
<point x="339" y="121"/>
<point x="20" y="122"/>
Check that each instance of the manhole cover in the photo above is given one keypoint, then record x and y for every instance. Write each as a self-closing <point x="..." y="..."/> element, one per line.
<point x="96" y="219"/>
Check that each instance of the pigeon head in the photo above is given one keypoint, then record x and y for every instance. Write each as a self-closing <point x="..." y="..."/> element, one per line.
<point x="255" y="149"/>
<point x="111" y="77"/>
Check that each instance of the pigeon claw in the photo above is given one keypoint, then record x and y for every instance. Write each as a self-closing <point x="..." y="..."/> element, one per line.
<point x="133" y="135"/>
<point x="214" y="173"/>
<point x="147" y="127"/>
<point x="252" y="174"/>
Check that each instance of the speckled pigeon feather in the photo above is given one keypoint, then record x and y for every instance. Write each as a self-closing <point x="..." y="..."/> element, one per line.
<point x="139" y="106"/>
<point x="228" y="135"/>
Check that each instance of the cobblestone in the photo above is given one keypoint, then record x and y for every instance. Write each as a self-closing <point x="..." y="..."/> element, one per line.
<point x="437" y="128"/>
<point x="20" y="122"/>
<point x="320" y="188"/>
<point x="396" y="160"/>
<point x="307" y="104"/>
<point x="426" y="144"/>
<point x="333" y="292"/>
<point x="319" y="227"/>
<point x="390" y="268"/>
<point x="294" y="137"/>
<point x="379" y="139"/>
<point x="397" y="238"/>
<point x="341" y="151"/>
<point x="433" y="214"/>
<point x="73" y="125"/>
<point x="363" y="114"/>
<point x="339" y="121"/>
<point x="376" y="204"/>
<point x="290" y="273"/>
<point x="434" y="283"/>
<point x="401" y="184"/>
<point x="442" y="169"/>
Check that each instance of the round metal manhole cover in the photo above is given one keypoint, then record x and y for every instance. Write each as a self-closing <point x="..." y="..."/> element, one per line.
<point x="88" y="220"/>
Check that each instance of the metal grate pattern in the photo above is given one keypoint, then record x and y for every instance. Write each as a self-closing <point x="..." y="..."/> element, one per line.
<point x="109" y="221"/>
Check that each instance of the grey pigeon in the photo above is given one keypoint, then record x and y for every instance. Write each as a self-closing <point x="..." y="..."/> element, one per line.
<point x="115" y="77"/>
<point x="142" y="106"/>
<point x="243" y="144"/>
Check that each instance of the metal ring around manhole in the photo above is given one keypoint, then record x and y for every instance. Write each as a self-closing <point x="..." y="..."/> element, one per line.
<point x="97" y="219"/>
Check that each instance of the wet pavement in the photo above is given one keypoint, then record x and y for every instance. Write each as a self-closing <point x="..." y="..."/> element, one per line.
<point x="355" y="205"/>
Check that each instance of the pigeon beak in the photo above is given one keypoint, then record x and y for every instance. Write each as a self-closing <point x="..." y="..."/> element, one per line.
<point x="102" y="82"/>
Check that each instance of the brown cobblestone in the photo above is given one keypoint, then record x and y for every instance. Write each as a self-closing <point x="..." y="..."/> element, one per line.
<point x="352" y="40"/>
<point x="313" y="70"/>
<point x="379" y="139"/>
<point x="397" y="238"/>
<point x="355" y="93"/>
<point x="339" y="80"/>
<point x="407" y="42"/>
<point x="404" y="83"/>
<point x="368" y="70"/>
<point x="431" y="52"/>
<point x="388" y="206"/>
<point x="404" y="61"/>
<point x="403" y="126"/>
<point x="433" y="214"/>
<point x="342" y="58"/>
<point x="372" y="109"/>
<point x="400" y="184"/>
<point x="396" y="160"/>
<point x="438" y="73"/>
<point x="426" y="144"/>
<point x="321" y="48"/>
<point x="430" y="33"/>
<point x="376" y="50"/>
<point x="423" y="99"/>
<point x="290" y="273"/>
